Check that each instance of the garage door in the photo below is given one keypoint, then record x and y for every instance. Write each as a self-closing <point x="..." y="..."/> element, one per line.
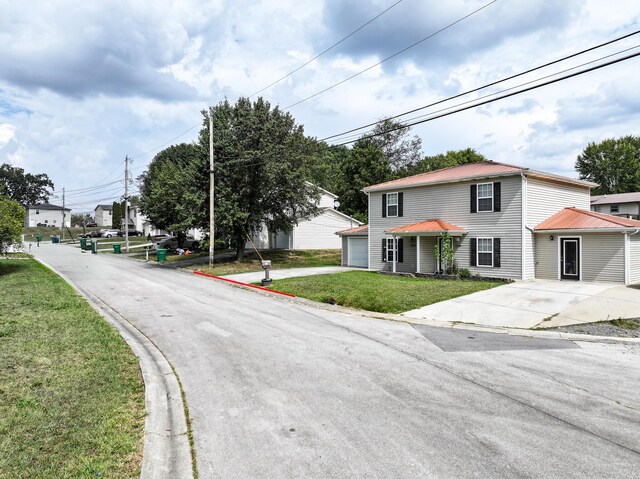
<point x="358" y="252"/>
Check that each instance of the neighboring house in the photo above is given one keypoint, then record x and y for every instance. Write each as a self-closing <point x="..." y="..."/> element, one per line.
<point x="626" y="205"/>
<point x="47" y="215"/>
<point x="314" y="232"/>
<point x="505" y="221"/>
<point x="102" y="215"/>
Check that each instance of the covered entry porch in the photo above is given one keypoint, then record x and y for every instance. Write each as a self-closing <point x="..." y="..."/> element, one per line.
<point x="411" y="248"/>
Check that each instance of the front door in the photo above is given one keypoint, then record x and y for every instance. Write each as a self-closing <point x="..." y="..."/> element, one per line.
<point x="570" y="258"/>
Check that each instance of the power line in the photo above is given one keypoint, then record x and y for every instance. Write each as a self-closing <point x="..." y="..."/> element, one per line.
<point x="392" y="56"/>
<point x="534" y="87"/>
<point x="326" y="50"/>
<point x="511" y="77"/>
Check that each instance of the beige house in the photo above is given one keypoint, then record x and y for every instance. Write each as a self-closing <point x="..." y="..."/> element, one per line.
<point x="497" y="216"/>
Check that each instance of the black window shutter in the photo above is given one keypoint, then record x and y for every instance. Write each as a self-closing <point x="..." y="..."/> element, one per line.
<point x="400" y="255"/>
<point x="496" y="196"/>
<point x="496" y="252"/>
<point x="384" y="205"/>
<point x="474" y="198"/>
<point x="473" y="245"/>
<point x="384" y="249"/>
<point x="400" y="195"/>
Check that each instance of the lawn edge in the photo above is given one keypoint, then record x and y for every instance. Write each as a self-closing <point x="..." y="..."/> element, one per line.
<point x="168" y="449"/>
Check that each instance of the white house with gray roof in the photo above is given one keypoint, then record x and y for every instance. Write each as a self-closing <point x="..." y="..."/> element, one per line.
<point x="46" y="214"/>
<point x="626" y="205"/>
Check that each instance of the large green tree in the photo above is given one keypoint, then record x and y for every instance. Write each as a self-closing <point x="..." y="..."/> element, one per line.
<point x="262" y="161"/>
<point x="446" y="160"/>
<point x="396" y="143"/>
<point x="366" y="165"/>
<point x="117" y="214"/>
<point x="175" y="188"/>
<point x="25" y="188"/>
<point x="613" y="163"/>
<point x="325" y="170"/>
<point x="11" y="221"/>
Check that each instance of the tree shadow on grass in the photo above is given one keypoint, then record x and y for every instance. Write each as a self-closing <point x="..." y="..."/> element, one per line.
<point x="10" y="268"/>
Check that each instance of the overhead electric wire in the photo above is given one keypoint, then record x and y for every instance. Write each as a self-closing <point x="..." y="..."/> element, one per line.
<point x="326" y="50"/>
<point x="391" y="56"/>
<point x="511" y="77"/>
<point x="501" y="97"/>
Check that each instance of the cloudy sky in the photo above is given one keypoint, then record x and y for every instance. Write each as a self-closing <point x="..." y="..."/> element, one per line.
<point x="82" y="84"/>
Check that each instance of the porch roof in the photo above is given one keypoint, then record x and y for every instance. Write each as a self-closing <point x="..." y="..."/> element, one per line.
<point x="427" y="228"/>
<point x="577" y="219"/>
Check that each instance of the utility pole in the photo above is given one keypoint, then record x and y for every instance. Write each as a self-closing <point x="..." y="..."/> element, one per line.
<point x="126" y="204"/>
<point x="211" y="192"/>
<point x="64" y="214"/>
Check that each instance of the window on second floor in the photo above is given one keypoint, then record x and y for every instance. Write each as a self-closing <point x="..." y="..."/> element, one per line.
<point x="485" y="197"/>
<point x="615" y="208"/>
<point x="392" y="204"/>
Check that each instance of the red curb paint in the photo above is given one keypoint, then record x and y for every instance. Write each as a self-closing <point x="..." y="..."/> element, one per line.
<point x="243" y="284"/>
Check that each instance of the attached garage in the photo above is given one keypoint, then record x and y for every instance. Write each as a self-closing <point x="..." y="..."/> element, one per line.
<point x="355" y="246"/>
<point x="583" y="245"/>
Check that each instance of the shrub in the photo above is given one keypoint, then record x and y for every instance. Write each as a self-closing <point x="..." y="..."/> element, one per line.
<point x="464" y="273"/>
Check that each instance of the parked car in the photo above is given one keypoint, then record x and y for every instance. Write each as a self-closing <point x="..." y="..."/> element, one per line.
<point x="109" y="233"/>
<point x="131" y="233"/>
<point x="90" y="224"/>
<point x="95" y="234"/>
<point x="171" y="243"/>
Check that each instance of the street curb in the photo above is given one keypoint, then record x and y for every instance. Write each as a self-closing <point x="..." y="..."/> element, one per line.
<point x="167" y="452"/>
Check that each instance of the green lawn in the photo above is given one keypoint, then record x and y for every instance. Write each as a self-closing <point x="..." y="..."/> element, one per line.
<point x="378" y="292"/>
<point x="280" y="259"/>
<point x="71" y="393"/>
<point x="31" y="232"/>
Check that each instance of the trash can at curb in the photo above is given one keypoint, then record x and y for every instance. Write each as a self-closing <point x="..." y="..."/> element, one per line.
<point x="55" y="239"/>
<point x="38" y="239"/>
<point x="116" y="248"/>
<point x="161" y="255"/>
<point x="94" y="247"/>
<point x="83" y="244"/>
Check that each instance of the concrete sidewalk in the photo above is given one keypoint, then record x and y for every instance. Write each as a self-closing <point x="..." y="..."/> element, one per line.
<point x="256" y="276"/>
<point x="537" y="303"/>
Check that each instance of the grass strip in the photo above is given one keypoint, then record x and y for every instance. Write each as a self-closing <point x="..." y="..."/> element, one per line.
<point x="71" y="391"/>
<point x="378" y="292"/>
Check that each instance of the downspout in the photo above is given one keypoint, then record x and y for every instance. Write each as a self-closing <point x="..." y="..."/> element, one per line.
<point x="627" y="255"/>
<point x="523" y="192"/>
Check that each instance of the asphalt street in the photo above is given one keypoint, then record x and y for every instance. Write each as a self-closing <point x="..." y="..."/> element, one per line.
<point x="276" y="388"/>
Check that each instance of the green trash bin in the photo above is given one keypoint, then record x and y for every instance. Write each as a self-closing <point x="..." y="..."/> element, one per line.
<point x="94" y="247"/>
<point x="161" y="255"/>
<point x="38" y="238"/>
<point x="83" y="244"/>
<point x="116" y="248"/>
<point x="55" y="239"/>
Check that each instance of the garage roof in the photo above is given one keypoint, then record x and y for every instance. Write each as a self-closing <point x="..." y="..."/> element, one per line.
<point x="577" y="219"/>
<point x="358" y="231"/>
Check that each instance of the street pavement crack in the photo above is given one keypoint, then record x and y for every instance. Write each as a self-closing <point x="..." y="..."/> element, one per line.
<point x="476" y="383"/>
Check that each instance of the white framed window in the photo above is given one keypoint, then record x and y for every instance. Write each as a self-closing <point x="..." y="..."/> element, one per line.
<point x="46" y="221"/>
<point x="392" y="204"/>
<point x="485" y="197"/>
<point x="391" y="250"/>
<point x="485" y="252"/>
<point x="615" y="208"/>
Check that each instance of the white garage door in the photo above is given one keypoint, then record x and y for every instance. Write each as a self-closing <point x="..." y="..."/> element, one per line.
<point x="358" y="252"/>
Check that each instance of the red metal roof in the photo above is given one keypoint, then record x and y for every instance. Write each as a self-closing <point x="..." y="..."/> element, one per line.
<point x="427" y="226"/>
<point x="359" y="230"/>
<point x="577" y="219"/>
<point x="472" y="170"/>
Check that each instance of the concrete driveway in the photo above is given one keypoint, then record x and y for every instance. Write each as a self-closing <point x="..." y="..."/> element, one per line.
<point x="537" y="303"/>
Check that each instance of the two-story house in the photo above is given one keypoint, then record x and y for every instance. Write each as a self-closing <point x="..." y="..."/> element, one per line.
<point x="505" y="221"/>
<point x="46" y="214"/>
<point x="103" y="216"/>
<point x="626" y="205"/>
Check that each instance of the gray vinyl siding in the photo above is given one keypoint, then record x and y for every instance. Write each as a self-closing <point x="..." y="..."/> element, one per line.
<point x="634" y="256"/>
<point x="602" y="256"/>
<point x="344" y="256"/>
<point x="544" y="199"/>
<point x="451" y="202"/>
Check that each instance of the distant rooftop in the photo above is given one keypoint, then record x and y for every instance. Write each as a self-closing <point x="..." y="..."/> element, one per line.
<point x="616" y="198"/>
<point x="47" y="206"/>
<point x="104" y="207"/>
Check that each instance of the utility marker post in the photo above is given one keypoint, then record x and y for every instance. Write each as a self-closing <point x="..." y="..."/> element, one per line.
<point x="126" y="204"/>
<point x="211" y="192"/>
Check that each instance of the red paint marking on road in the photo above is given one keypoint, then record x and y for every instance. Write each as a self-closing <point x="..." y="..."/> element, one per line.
<point x="243" y="284"/>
